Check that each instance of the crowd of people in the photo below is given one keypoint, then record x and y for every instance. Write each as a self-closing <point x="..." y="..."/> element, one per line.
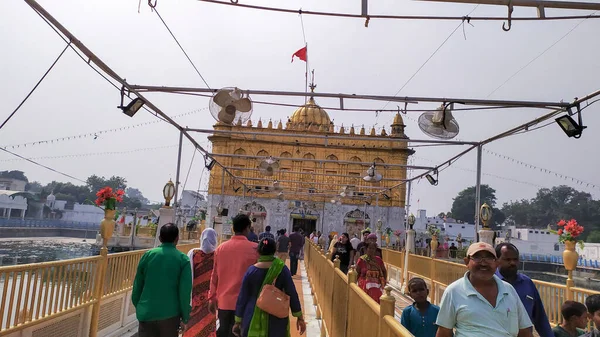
<point x="217" y="290"/>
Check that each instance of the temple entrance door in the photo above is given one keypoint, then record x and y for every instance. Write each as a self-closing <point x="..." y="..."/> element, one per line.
<point x="258" y="215"/>
<point x="355" y="221"/>
<point x="307" y="225"/>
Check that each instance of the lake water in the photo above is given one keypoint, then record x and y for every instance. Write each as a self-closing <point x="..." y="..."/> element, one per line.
<point x="33" y="250"/>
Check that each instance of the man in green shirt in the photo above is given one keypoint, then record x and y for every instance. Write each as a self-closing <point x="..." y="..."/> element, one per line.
<point x="162" y="287"/>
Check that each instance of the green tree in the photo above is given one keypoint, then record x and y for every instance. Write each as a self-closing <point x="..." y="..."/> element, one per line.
<point x="463" y="207"/>
<point x="19" y="175"/>
<point x="552" y="204"/>
<point x="593" y="237"/>
<point x="34" y="186"/>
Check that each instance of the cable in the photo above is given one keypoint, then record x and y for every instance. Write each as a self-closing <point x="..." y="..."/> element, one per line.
<point x="432" y="55"/>
<point x="89" y="154"/>
<point x="483" y="173"/>
<point x="542" y="169"/>
<point x="44" y="166"/>
<point x="96" y="134"/>
<point x="189" y="169"/>
<point x="400" y="17"/>
<point x="538" y="56"/>
<point x="91" y="66"/>
<point x="36" y="85"/>
<point x="181" y="47"/>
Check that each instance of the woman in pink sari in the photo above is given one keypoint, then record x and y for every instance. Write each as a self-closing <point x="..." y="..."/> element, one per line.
<point x="371" y="271"/>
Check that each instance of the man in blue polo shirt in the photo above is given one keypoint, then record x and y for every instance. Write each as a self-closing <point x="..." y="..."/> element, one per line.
<point x="480" y="304"/>
<point x="508" y="271"/>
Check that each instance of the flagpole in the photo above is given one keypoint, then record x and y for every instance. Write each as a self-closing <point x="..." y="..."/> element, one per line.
<point x="306" y="75"/>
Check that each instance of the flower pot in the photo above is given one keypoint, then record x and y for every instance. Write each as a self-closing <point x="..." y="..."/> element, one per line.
<point x="107" y="226"/>
<point x="570" y="256"/>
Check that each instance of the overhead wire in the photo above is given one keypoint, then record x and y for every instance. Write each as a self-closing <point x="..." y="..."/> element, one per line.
<point x="179" y="44"/>
<point x="91" y="154"/>
<point x="432" y="54"/>
<point x="35" y="86"/>
<point x="96" y="134"/>
<point x="538" y="56"/>
<point x="42" y="165"/>
<point x="90" y="64"/>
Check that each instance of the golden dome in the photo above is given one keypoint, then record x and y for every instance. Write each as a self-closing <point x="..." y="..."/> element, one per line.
<point x="310" y="114"/>
<point x="398" y="120"/>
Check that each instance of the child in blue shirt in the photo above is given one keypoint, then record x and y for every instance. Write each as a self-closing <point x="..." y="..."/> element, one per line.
<point x="420" y="317"/>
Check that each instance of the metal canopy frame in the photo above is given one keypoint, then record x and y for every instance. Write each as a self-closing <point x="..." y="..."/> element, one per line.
<point x="404" y="99"/>
<point x="137" y="91"/>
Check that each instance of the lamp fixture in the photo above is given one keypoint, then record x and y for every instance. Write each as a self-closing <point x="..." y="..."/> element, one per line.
<point x="485" y="213"/>
<point x="169" y="193"/>
<point x="133" y="107"/>
<point x="433" y="181"/>
<point x="411" y="220"/>
<point x="209" y="162"/>
<point x="570" y="127"/>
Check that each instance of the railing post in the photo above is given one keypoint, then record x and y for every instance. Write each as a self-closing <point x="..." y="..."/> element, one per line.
<point x="432" y="274"/>
<point x="107" y="227"/>
<point x="387" y="307"/>
<point x="352" y="275"/>
<point x="336" y="262"/>
<point x="98" y="289"/>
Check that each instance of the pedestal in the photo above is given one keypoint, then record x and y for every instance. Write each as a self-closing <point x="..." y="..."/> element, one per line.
<point x="410" y="241"/>
<point x="166" y="215"/>
<point x="487" y="236"/>
<point x="379" y="240"/>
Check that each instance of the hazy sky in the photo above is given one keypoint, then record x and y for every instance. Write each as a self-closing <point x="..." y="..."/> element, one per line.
<point x="252" y="50"/>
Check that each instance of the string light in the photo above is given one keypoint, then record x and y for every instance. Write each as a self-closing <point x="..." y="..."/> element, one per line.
<point x="96" y="134"/>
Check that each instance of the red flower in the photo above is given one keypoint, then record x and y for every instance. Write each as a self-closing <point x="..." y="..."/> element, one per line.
<point x="560" y="232"/>
<point x="561" y="223"/>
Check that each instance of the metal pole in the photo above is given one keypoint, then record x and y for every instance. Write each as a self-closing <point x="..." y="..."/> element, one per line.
<point x="178" y="170"/>
<point x="133" y="229"/>
<point x="406" y="228"/>
<point x="464" y="101"/>
<point x="478" y="193"/>
<point x="540" y="4"/>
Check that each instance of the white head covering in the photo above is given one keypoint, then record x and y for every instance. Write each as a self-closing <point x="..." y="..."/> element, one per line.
<point x="208" y="241"/>
<point x="208" y="244"/>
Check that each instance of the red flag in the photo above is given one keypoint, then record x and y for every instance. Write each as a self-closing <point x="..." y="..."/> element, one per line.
<point x="301" y="54"/>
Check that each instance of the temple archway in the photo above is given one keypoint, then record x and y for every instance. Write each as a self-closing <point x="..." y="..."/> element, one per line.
<point x="355" y="221"/>
<point x="258" y="215"/>
<point x="304" y="216"/>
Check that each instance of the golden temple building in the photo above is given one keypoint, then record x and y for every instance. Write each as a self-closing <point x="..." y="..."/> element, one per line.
<point x="317" y="182"/>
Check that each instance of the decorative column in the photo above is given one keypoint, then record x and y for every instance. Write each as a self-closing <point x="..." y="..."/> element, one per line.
<point x="166" y="214"/>
<point x="22" y="214"/>
<point x="379" y="232"/>
<point x="486" y="234"/>
<point x="410" y="241"/>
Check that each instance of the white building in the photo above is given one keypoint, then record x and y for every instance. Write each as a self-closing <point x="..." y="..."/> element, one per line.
<point x="532" y="241"/>
<point x="448" y="227"/>
<point x="191" y="202"/>
<point x="12" y="204"/>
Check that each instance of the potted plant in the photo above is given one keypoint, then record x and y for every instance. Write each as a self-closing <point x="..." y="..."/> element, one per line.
<point x="108" y="198"/>
<point x="568" y="231"/>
